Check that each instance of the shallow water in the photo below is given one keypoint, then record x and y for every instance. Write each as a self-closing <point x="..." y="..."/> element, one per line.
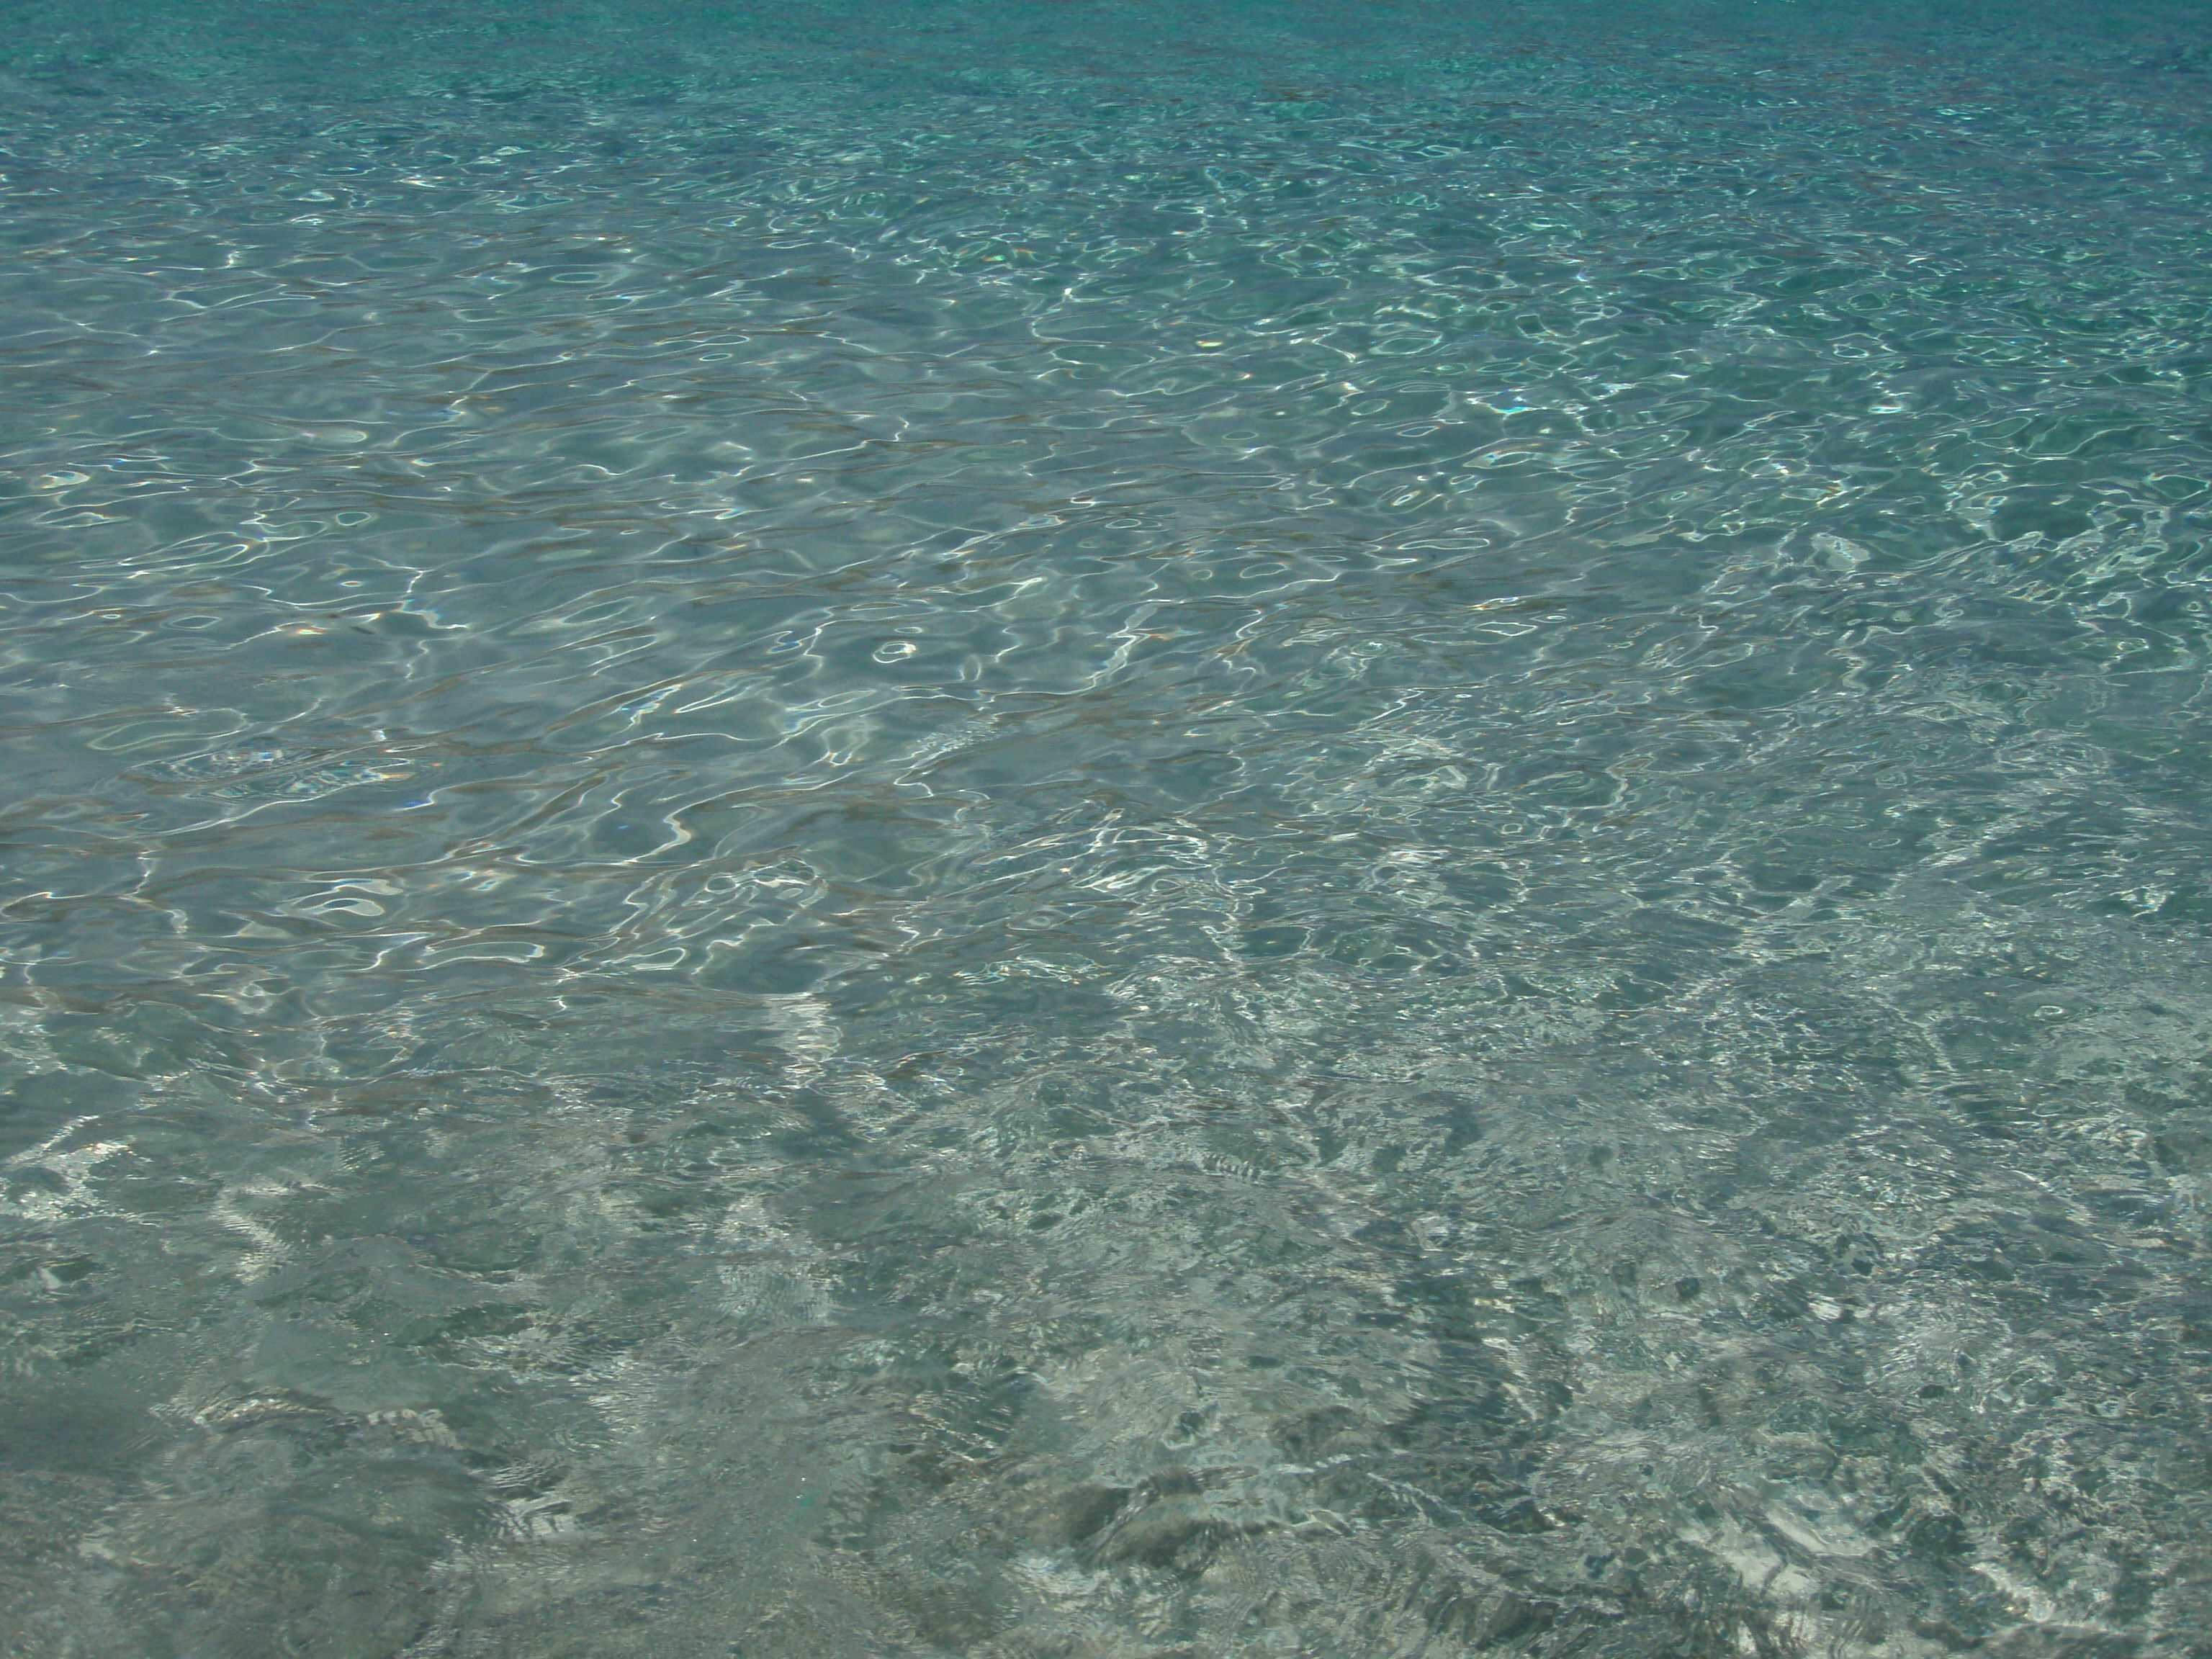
<point x="1105" y="832"/>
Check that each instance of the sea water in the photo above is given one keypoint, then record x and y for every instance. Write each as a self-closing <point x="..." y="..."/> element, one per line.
<point x="1105" y="831"/>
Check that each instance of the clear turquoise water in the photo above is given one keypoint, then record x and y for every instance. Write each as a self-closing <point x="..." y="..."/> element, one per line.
<point x="1094" y="831"/>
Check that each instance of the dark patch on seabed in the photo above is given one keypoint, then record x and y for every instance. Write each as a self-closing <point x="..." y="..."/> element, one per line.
<point x="1105" y="832"/>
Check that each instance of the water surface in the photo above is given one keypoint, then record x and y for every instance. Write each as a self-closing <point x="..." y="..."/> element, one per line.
<point x="1105" y="832"/>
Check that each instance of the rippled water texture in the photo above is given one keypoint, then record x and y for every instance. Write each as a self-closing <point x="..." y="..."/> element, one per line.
<point x="1105" y="831"/>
